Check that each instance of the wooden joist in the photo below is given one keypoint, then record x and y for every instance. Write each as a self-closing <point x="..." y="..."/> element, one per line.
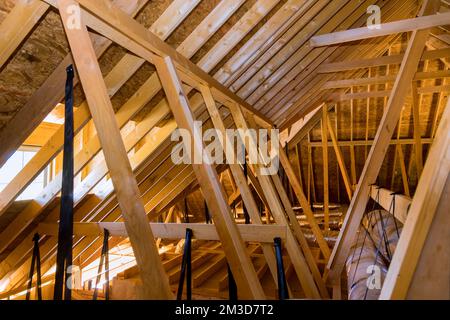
<point x="416" y="104"/>
<point x="419" y="23"/>
<point x="360" y="143"/>
<point x="337" y="97"/>
<point x="378" y="61"/>
<point x="383" y="79"/>
<point x="254" y="233"/>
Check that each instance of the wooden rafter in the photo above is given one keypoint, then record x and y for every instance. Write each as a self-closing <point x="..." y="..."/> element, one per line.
<point x="305" y="97"/>
<point x="429" y="195"/>
<point x="305" y="204"/>
<point x="232" y="242"/>
<point x="383" y="79"/>
<point x="155" y="282"/>
<point x="301" y="86"/>
<point x="119" y="27"/>
<point x="144" y="152"/>
<point x="18" y="24"/>
<point x="309" y="286"/>
<point x="418" y="152"/>
<point x="51" y="93"/>
<point x="378" y="151"/>
<point x="340" y="159"/>
<point x="326" y="195"/>
<point x="131" y="107"/>
<point x="239" y="177"/>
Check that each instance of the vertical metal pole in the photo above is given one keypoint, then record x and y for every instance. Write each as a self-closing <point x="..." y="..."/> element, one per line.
<point x="207" y="215"/>
<point x="283" y="293"/>
<point x="186" y="268"/>
<point x="232" y="288"/>
<point x="64" y="255"/>
<point x="104" y="260"/>
<point x="35" y="261"/>
<point x="246" y="215"/>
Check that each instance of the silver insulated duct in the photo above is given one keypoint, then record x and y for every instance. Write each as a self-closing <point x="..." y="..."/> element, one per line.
<point x="371" y="255"/>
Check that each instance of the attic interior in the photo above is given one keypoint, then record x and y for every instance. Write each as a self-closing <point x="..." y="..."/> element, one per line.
<point x="92" y="205"/>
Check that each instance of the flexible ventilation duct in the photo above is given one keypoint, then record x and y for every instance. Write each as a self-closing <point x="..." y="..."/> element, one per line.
<point x="371" y="255"/>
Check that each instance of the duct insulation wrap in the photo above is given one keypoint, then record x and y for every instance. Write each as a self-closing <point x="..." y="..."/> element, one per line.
<point x="371" y="255"/>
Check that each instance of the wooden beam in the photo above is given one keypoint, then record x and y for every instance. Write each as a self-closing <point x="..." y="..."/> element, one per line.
<point x="378" y="151"/>
<point x="238" y="176"/>
<point x="307" y="281"/>
<point x="306" y="127"/>
<point x="361" y="143"/>
<point x="305" y="204"/>
<point x="326" y="195"/>
<point x="439" y="105"/>
<point x="298" y="232"/>
<point x="118" y="76"/>
<point x="418" y="152"/>
<point x="336" y="97"/>
<point x="300" y="166"/>
<point x="340" y="159"/>
<point x="51" y="92"/>
<point x="404" y="173"/>
<point x="18" y="24"/>
<point x="304" y="86"/>
<point x="110" y="21"/>
<point x="385" y="197"/>
<point x="263" y="39"/>
<point x="249" y="232"/>
<point x="428" y="197"/>
<point x="352" y="147"/>
<point x="155" y="282"/>
<point x="383" y="79"/>
<point x="233" y="245"/>
<point x="406" y="25"/>
<point x="379" y="61"/>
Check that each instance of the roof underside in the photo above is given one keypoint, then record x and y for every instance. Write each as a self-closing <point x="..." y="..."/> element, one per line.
<point x="279" y="74"/>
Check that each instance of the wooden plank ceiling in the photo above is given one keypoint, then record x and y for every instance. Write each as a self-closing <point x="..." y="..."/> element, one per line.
<point x="261" y="51"/>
